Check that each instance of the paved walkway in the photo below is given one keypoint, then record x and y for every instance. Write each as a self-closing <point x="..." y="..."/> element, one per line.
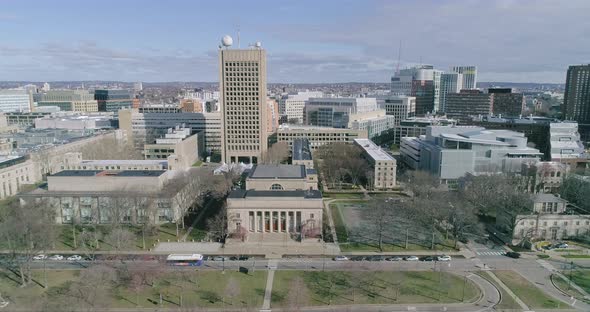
<point x="508" y="291"/>
<point x="331" y="219"/>
<point x="551" y="268"/>
<point x="272" y="264"/>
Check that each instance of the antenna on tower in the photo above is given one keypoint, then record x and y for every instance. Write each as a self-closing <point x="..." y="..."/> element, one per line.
<point x="238" y="37"/>
<point x="399" y="56"/>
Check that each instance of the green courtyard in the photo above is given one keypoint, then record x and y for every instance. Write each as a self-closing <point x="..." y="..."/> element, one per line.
<point x="351" y="226"/>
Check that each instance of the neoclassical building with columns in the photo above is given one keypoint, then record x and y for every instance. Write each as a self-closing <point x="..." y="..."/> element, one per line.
<point x="279" y="202"/>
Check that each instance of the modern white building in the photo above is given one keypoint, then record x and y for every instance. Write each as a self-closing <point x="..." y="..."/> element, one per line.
<point x="374" y="125"/>
<point x="564" y="140"/>
<point x="75" y="122"/>
<point x="450" y="152"/>
<point x="318" y="136"/>
<point x="469" y="76"/>
<point x="293" y="104"/>
<point x="437" y="80"/>
<point x="384" y="165"/>
<point x="401" y="107"/>
<point x="15" y="100"/>
<point x="449" y="83"/>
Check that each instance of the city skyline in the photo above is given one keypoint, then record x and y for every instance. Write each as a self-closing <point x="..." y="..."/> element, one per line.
<point x="355" y="42"/>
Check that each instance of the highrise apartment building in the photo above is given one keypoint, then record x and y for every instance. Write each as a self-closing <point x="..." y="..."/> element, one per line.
<point x="506" y="102"/>
<point x="576" y="104"/>
<point x="469" y="76"/>
<point x="242" y="88"/>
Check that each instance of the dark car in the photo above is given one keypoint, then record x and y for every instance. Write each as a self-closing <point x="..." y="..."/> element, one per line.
<point x="513" y="254"/>
<point x="357" y="258"/>
<point x="428" y="258"/>
<point x="233" y="258"/>
<point x="376" y="258"/>
<point x="243" y="258"/>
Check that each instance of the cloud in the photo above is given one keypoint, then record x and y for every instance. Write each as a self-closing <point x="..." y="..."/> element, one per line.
<point x="509" y="40"/>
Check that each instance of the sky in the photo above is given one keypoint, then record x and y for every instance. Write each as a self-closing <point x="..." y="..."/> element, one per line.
<point x="306" y="41"/>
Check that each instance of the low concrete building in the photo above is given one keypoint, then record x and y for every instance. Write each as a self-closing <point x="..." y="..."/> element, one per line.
<point x="74" y="161"/>
<point x="16" y="171"/>
<point x="280" y="203"/>
<point x="318" y="136"/>
<point x="75" y="122"/>
<point x="100" y="196"/>
<point x="178" y="146"/>
<point x="384" y="165"/>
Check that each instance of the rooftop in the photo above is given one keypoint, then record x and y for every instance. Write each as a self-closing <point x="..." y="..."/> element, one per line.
<point x="312" y="194"/>
<point x="139" y="162"/>
<point x="547" y="198"/>
<point x="277" y="172"/>
<point x="373" y="150"/>
<point x="103" y="173"/>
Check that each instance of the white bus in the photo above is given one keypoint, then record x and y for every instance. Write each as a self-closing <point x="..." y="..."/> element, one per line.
<point x="185" y="259"/>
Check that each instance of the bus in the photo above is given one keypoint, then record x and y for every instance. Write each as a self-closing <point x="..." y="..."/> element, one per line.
<point x="185" y="259"/>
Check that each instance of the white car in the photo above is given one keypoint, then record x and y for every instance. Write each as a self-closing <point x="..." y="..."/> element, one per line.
<point x="411" y="258"/>
<point x="56" y="257"/>
<point x="74" y="258"/>
<point x="340" y="258"/>
<point x="444" y="258"/>
<point x="40" y="257"/>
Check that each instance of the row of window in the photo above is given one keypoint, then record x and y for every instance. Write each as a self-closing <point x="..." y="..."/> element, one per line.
<point x="555" y="223"/>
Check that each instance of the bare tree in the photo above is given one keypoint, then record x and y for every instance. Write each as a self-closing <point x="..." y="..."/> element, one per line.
<point x="120" y="239"/>
<point x="186" y="190"/>
<point x="217" y="225"/>
<point x="276" y="154"/>
<point x="460" y="218"/>
<point x="420" y="183"/>
<point x="92" y="290"/>
<point x="28" y="228"/>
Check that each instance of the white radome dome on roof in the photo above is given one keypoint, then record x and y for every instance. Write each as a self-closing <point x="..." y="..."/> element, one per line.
<point x="227" y="41"/>
<point x="258" y="44"/>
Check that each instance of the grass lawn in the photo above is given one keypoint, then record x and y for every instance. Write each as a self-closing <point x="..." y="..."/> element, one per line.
<point x="527" y="292"/>
<point x="565" y="287"/>
<point x="576" y="256"/>
<point x="300" y="288"/>
<point x="507" y="301"/>
<point x="348" y="246"/>
<point x="581" y="278"/>
<point x="198" y="163"/>
<point x="165" y="232"/>
<point x="198" y="289"/>
<point x="344" y="195"/>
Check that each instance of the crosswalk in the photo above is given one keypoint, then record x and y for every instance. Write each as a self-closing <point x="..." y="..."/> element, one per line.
<point x="490" y="253"/>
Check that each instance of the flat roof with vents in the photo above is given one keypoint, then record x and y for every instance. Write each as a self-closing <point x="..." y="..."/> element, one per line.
<point x="103" y="173"/>
<point x="373" y="150"/>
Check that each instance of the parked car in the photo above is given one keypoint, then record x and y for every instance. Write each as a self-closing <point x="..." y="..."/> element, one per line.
<point x="444" y="258"/>
<point x="74" y="258"/>
<point x="393" y="259"/>
<point x="357" y="258"/>
<point x="513" y="254"/>
<point x="376" y="258"/>
<point x="243" y="258"/>
<point x="340" y="258"/>
<point x="40" y="257"/>
<point x="220" y="258"/>
<point x="56" y="257"/>
<point x="562" y="245"/>
<point x="428" y="258"/>
<point x="548" y="247"/>
<point x="411" y="258"/>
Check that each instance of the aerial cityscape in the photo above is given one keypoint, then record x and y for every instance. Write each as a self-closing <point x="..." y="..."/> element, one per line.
<point x="295" y="155"/>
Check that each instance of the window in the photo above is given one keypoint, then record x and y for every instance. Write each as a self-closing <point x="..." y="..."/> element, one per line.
<point x="276" y="186"/>
<point x="311" y="215"/>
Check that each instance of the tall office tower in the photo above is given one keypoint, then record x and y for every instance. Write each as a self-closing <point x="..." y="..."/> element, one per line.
<point x="436" y="79"/>
<point x="418" y="82"/>
<point x="469" y="76"/>
<point x="15" y="100"/>
<point x="576" y="104"/>
<point x="449" y="83"/>
<point x="242" y="94"/>
<point x="506" y="102"/>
